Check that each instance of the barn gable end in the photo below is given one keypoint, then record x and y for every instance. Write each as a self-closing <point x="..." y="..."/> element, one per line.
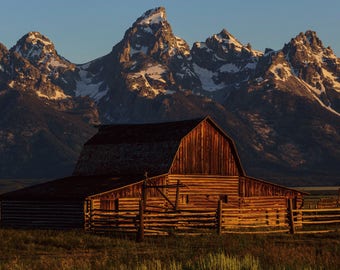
<point x="207" y="150"/>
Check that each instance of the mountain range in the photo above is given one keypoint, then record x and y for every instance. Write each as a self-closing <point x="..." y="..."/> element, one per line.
<point x="282" y="107"/>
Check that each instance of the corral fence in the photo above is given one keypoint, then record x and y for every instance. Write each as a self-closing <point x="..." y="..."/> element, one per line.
<point x="315" y="220"/>
<point x="144" y="221"/>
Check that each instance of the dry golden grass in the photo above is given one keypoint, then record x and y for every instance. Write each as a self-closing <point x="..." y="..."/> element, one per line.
<point x="42" y="249"/>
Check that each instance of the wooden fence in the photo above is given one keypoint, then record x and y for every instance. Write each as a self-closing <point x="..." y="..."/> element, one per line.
<point x="315" y="220"/>
<point x="224" y="220"/>
<point x="150" y="221"/>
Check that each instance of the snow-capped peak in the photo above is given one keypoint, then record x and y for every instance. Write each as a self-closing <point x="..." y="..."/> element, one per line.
<point x="33" y="45"/>
<point x="226" y="38"/>
<point x="228" y="42"/>
<point x="36" y="37"/>
<point x="40" y="51"/>
<point x="152" y="16"/>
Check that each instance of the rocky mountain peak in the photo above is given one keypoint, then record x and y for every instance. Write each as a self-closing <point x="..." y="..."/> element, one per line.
<point x="34" y="46"/>
<point x="151" y="35"/>
<point x="227" y="39"/>
<point x="311" y="40"/>
<point x="317" y="66"/>
<point x="152" y="17"/>
<point x="228" y="47"/>
<point x="308" y="48"/>
<point x="40" y="52"/>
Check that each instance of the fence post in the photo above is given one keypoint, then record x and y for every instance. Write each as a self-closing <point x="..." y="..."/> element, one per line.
<point x="91" y="215"/>
<point x="291" y="216"/>
<point x="86" y="215"/>
<point x="219" y="217"/>
<point x="177" y="195"/>
<point x="144" y="192"/>
<point x="140" y="233"/>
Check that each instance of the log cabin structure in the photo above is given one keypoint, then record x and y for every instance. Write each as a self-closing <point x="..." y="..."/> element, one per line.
<point x="173" y="174"/>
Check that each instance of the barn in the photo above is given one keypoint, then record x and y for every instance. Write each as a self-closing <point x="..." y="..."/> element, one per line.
<point x="161" y="177"/>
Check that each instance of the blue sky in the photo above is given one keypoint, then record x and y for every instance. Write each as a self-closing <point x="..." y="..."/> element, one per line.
<point x="84" y="30"/>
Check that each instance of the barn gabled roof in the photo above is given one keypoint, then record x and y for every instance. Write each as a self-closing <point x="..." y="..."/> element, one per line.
<point x="138" y="148"/>
<point x="73" y="188"/>
<point x="133" y="148"/>
<point x="143" y="133"/>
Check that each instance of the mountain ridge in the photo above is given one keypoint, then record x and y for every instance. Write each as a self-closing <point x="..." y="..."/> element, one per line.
<point x="281" y="107"/>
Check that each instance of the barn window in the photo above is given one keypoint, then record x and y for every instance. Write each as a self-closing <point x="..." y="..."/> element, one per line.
<point x="224" y="198"/>
<point x="185" y="198"/>
<point x="116" y="204"/>
<point x="109" y="204"/>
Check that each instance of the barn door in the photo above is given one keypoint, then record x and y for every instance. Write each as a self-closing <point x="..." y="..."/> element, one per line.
<point x="173" y="203"/>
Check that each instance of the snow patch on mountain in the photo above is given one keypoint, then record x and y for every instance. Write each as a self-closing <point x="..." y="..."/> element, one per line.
<point x="314" y="91"/>
<point x="229" y="68"/>
<point x="150" y="78"/>
<point x="207" y="78"/>
<point x="139" y="49"/>
<point x="228" y="39"/>
<point x="250" y="66"/>
<point x="332" y="79"/>
<point x="153" y="16"/>
<point x="87" y="87"/>
<point x="154" y="72"/>
<point x="281" y="71"/>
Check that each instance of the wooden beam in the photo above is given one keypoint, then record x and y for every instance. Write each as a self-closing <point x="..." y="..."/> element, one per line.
<point x="167" y="199"/>
<point x="140" y="233"/>
<point x="291" y="216"/>
<point x="177" y="195"/>
<point x="165" y="186"/>
<point x="219" y="217"/>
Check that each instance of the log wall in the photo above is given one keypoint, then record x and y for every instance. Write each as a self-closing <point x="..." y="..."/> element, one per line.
<point x="204" y="192"/>
<point x="252" y="187"/>
<point x="133" y="192"/>
<point x="36" y="214"/>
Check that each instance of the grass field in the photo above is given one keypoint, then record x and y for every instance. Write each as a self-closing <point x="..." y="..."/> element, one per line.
<point x="41" y="249"/>
<point x="44" y="249"/>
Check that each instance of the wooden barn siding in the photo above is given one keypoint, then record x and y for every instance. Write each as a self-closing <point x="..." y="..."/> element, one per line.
<point x="128" y="198"/>
<point x="264" y="202"/>
<point x="204" y="192"/>
<point x="251" y="187"/>
<point x="264" y="213"/>
<point x="204" y="151"/>
<point x="42" y="214"/>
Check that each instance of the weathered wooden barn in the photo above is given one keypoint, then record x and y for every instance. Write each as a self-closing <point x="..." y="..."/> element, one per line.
<point x="169" y="175"/>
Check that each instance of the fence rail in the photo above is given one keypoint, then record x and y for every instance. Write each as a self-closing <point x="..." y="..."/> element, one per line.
<point x="150" y="221"/>
<point x="316" y="220"/>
